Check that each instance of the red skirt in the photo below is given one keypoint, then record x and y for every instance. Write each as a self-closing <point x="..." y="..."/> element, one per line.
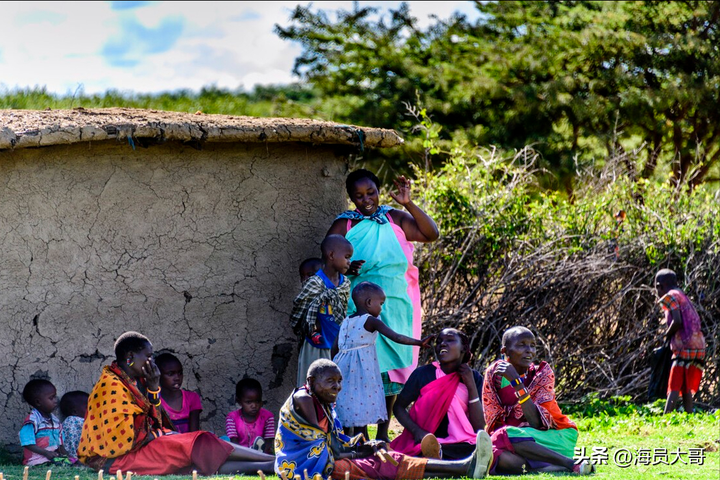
<point x="176" y="454"/>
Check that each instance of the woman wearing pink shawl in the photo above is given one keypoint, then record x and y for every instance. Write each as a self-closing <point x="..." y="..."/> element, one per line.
<point x="447" y="414"/>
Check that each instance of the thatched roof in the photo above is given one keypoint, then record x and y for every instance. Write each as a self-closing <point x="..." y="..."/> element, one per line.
<point x="39" y="128"/>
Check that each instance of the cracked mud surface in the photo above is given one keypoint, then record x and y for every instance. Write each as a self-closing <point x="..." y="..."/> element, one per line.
<point x="198" y="250"/>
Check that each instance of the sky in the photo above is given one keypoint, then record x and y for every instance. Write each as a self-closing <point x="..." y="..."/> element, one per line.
<point x="151" y="47"/>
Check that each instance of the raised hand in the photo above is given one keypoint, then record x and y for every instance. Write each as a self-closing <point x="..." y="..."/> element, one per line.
<point x="505" y="369"/>
<point x="402" y="196"/>
<point x="151" y="373"/>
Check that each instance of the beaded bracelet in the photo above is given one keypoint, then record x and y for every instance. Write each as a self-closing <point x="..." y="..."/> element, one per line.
<point x="516" y="382"/>
<point x="524" y="399"/>
<point x="521" y="392"/>
<point x="474" y="400"/>
<point x="155" y="392"/>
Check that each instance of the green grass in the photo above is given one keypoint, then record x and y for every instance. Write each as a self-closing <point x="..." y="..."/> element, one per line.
<point x="614" y="432"/>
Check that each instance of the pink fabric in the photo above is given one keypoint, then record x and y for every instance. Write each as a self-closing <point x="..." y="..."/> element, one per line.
<point x="460" y="430"/>
<point x="412" y="277"/>
<point x="428" y="411"/>
<point x="190" y="402"/>
<point x="690" y="336"/>
<point x="246" y="433"/>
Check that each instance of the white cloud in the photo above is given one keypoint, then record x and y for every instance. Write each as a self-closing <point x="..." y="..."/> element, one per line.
<point x="158" y="46"/>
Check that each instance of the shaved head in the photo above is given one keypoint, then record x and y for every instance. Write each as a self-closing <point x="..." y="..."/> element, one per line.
<point x="333" y="243"/>
<point x="365" y="290"/>
<point x="514" y="332"/>
<point x="666" y="278"/>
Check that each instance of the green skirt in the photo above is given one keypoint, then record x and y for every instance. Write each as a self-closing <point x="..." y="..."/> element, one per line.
<point x="560" y="441"/>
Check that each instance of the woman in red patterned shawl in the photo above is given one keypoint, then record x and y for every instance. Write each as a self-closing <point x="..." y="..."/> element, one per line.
<point x="126" y="428"/>
<point x="529" y="432"/>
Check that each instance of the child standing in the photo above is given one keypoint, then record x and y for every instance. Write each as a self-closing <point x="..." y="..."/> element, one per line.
<point x="686" y="341"/>
<point x="320" y="307"/>
<point x="41" y="433"/>
<point x="182" y="406"/>
<point x="73" y="406"/>
<point x="362" y="400"/>
<point x="251" y="425"/>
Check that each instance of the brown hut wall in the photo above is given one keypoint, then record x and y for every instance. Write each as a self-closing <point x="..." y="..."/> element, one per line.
<point x="196" y="249"/>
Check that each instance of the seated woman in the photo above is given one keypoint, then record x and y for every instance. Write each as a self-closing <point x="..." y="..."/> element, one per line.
<point x="529" y="432"/>
<point x="125" y="428"/>
<point x="310" y="439"/>
<point x="447" y="411"/>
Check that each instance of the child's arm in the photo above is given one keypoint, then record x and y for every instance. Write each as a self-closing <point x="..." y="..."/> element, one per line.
<point x="335" y="349"/>
<point x="269" y="435"/>
<point x="194" y="421"/>
<point x="49" y="454"/>
<point x="231" y="430"/>
<point x="373" y="324"/>
<point x="675" y="325"/>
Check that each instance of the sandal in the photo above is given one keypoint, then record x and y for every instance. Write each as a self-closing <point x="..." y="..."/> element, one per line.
<point x="430" y="447"/>
<point x="482" y="456"/>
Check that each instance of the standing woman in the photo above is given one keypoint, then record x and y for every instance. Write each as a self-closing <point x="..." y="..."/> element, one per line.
<point x="381" y="237"/>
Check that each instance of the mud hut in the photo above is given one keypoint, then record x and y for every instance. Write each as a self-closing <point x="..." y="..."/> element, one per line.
<point x="188" y="228"/>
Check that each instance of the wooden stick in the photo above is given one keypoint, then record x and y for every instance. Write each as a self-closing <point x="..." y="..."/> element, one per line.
<point x="48" y="474"/>
<point x="119" y="475"/>
<point x="388" y="457"/>
<point x="347" y="475"/>
<point x="317" y="477"/>
<point x="128" y="476"/>
<point x="194" y="474"/>
<point x="298" y="477"/>
<point x="261" y="475"/>
<point x="77" y="477"/>
<point x="26" y="471"/>
<point x="100" y="475"/>
<point x="283" y="475"/>
<point x="2" y="477"/>
<point x="306" y="475"/>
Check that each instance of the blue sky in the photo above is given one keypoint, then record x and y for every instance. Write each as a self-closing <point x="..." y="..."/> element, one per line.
<point x="149" y="47"/>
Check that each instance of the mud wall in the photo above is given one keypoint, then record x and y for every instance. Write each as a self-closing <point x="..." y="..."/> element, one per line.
<point x="196" y="249"/>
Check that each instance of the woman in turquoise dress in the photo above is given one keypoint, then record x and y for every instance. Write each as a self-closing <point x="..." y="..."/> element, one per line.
<point x="381" y="237"/>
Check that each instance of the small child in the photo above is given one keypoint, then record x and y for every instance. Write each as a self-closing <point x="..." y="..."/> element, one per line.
<point x="251" y="425"/>
<point x="686" y="341"/>
<point x="182" y="406"/>
<point x="320" y="307"/>
<point x="362" y="399"/>
<point x="309" y="267"/>
<point x="41" y="433"/>
<point x="73" y="406"/>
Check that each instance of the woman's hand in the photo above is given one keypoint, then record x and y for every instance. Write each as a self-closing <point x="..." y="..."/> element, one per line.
<point x="151" y="373"/>
<point x="370" y="448"/>
<point x="466" y="374"/>
<point x="355" y="266"/>
<point x="402" y="196"/>
<point x="505" y="369"/>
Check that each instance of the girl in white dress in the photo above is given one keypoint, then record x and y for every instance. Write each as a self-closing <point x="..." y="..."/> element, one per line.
<point x="362" y="400"/>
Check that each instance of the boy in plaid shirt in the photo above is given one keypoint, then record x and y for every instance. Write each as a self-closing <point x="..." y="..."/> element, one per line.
<point x="320" y="307"/>
<point x="686" y="341"/>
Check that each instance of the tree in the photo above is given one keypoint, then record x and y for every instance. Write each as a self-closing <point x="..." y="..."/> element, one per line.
<point x="577" y="79"/>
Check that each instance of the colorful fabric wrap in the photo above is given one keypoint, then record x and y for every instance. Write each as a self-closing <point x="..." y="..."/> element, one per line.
<point x="119" y="420"/>
<point x="388" y="259"/>
<point x="313" y="295"/>
<point x="300" y="446"/>
<point x="380" y="215"/>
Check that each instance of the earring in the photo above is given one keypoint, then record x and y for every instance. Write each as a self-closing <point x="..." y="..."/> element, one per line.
<point x="130" y="362"/>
